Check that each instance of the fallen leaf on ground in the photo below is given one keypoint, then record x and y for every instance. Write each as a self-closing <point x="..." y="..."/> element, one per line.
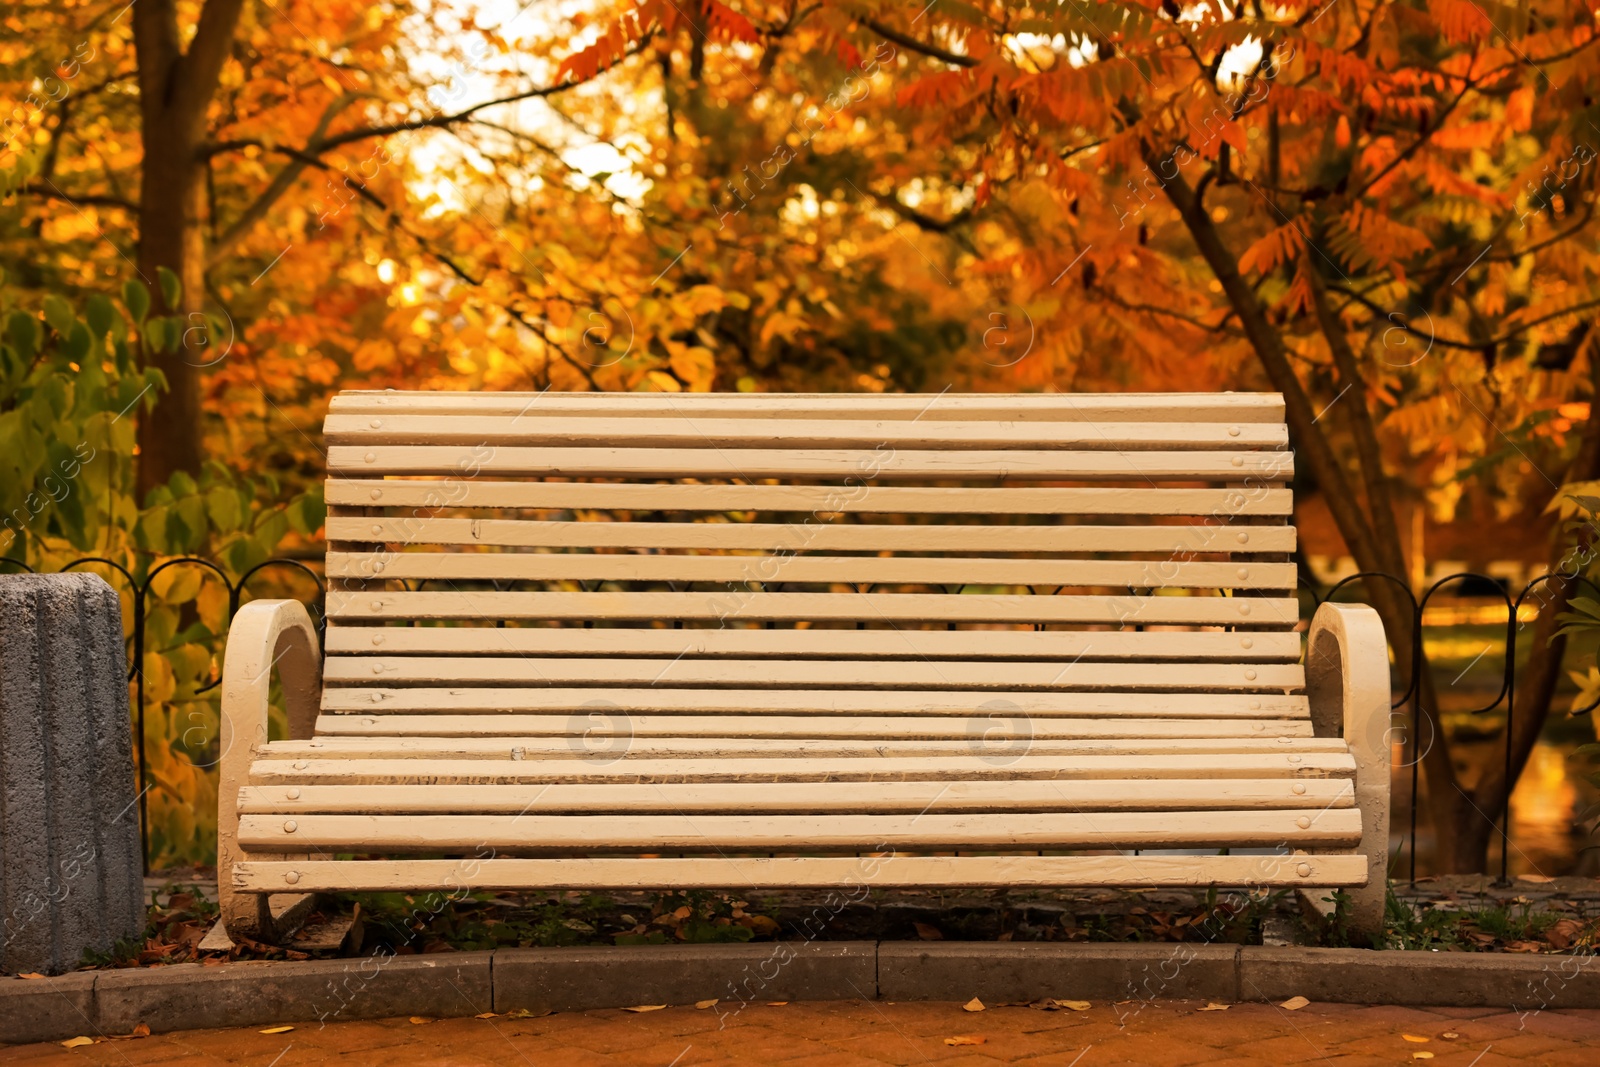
<point x="275" y="1030"/>
<point x="1422" y="1055"/>
<point x="928" y="933"/>
<point x="973" y="1005"/>
<point x="1542" y="879"/>
<point x="418" y="1020"/>
<point x="141" y="1030"/>
<point x="763" y="925"/>
<point x="486" y="1015"/>
<point x="30" y="974"/>
<point x="1561" y="935"/>
<point x="77" y="1042"/>
<point x="646" y="1007"/>
<point x="1214" y="1006"/>
<point x="1524" y="946"/>
<point x="1449" y="1035"/>
<point x="965" y="1039"/>
<point x="1294" y="1003"/>
<point x="706" y="1003"/>
<point x="776" y="1003"/>
<point x="1414" y="1037"/>
<point x="1075" y="1005"/>
<point x="524" y="1013"/>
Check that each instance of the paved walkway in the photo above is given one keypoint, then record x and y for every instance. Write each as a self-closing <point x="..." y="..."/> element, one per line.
<point x="1165" y="1033"/>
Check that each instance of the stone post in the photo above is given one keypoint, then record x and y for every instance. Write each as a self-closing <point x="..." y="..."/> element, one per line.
<point x="71" y="874"/>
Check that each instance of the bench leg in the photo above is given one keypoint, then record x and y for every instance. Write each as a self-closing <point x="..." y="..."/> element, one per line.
<point x="1347" y="678"/>
<point x="265" y="634"/>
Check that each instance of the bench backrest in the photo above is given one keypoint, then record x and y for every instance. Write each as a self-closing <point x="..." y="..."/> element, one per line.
<point x="794" y="553"/>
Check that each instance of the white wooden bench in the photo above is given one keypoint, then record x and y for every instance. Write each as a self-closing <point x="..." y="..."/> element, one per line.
<point x="758" y="641"/>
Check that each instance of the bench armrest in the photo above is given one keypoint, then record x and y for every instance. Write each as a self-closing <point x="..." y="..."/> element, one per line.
<point x="265" y="634"/>
<point x="1347" y="680"/>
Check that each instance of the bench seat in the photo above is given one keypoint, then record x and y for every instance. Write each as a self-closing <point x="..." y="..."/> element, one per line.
<point x="650" y="641"/>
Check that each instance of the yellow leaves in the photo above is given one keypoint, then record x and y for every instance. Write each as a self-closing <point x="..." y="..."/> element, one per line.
<point x="1414" y="1038"/>
<point x="703" y="300"/>
<point x="694" y="365"/>
<point x="725" y="23"/>
<point x="77" y="1042"/>
<point x="704" y="1004"/>
<point x="612" y="45"/>
<point x="966" y="1039"/>
<point x="1367" y="238"/>
<point x="1460" y="21"/>
<point x="782" y="325"/>
<point x="944" y="89"/>
<point x="973" y="1005"/>
<point x="275" y="1030"/>
<point x="640" y="1008"/>
<point x="1294" y="1003"/>
<point x="178" y="585"/>
<point x="1278" y="246"/>
<point x="1214" y="1006"/>
<point x="1519" y="109"/>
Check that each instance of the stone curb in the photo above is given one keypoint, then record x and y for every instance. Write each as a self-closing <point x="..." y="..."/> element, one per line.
<point x="192" y="996"/>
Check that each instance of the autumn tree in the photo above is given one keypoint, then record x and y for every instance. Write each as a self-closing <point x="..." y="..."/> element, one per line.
<point x="1381" y="210"/>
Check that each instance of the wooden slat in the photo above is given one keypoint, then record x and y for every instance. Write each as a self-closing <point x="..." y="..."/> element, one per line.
<point x="307" y="771"/>
<point x="860" y="464"/>
<point x="538" y="833"/>
<point x="586" y="566"/>
<point x="810" y="726"/>
<point x="668" y="430"/>
<point x="814" y="536"/>
<point x="833" y="644"/>
<point x="744" y="874"/>
<point x="854" y="702"/>
<point x="775" y="673"/>
<point x="921" y="570"/>
<point x="461" y="492"/>
<point x="918" y="608"/>
<point x="803" y="798"/>
<point x="1032" y="407"/>
<point x="1003" y="742"/>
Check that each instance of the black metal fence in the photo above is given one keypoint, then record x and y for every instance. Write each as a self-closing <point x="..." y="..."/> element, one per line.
<point x="1410" y="694"/>
<point x="136" y="643"/>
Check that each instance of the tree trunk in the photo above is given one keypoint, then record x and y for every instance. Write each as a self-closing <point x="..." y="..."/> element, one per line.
<point x="175" y="92"/>
<point x="1462" y="822"/>
<point x="171" y="235"/>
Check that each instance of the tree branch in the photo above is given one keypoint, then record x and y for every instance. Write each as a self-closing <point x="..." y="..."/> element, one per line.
<point x="906" y="41"/>
<point x="76" y="199"/>
<point x="1464" y="346"/>
<point x="320" y="144"/>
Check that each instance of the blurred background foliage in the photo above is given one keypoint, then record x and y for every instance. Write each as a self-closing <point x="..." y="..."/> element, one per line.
<point x="215" y="213"/>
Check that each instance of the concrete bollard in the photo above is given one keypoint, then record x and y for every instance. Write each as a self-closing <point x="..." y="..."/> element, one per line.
<point x="71" y="874"/>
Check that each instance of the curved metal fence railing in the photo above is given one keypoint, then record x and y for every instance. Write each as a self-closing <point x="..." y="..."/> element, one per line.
<point x="1410" y="694"/>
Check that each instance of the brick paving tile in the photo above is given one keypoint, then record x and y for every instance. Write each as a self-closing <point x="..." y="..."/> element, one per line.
<point x="1163" y="1049"/>
<point x="349" y="1037"/>
<point x="1532" y="1046"/>
<point x="870" y="1034"/>
<point x="836" y="1059"/>
<point x="1578" y="1056"/>
<point x="1574" y="1024"/>
<point x="1291" y="1047"/>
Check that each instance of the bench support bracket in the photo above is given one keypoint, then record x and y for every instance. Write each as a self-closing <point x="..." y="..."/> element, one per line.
<point x="1347" y="679"/>
<point x="266" y="634"/>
